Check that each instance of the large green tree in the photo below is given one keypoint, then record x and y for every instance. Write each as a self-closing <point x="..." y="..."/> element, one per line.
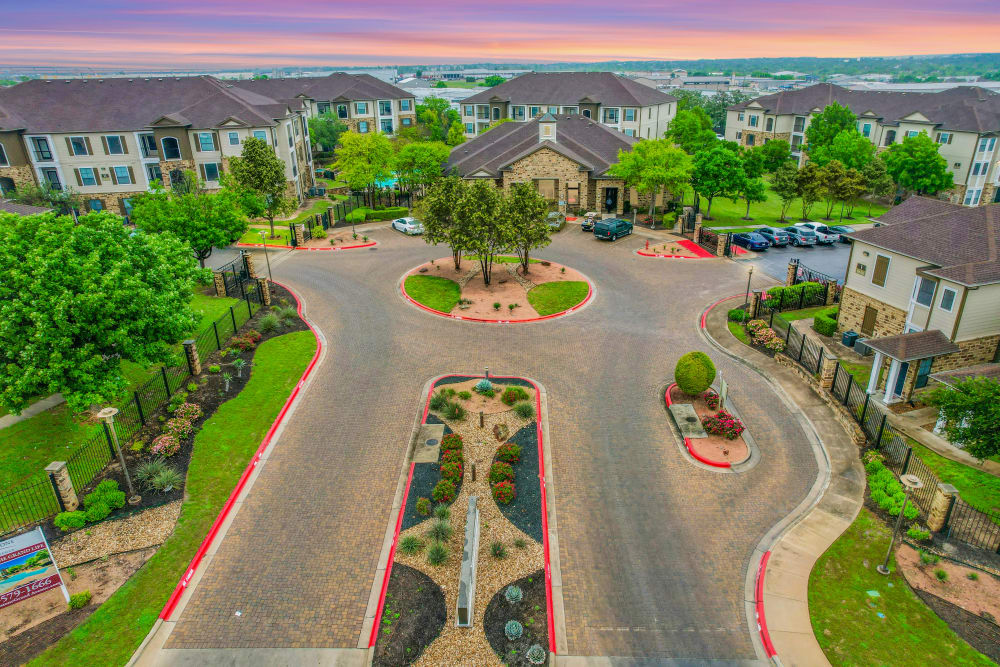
<point x="259" y="176"/>
<point x="691" y="129"/>
<point x="456" y="134"/>
<point x="75" y="299"/>
<point x="785" y="184"/>
<point x="419" y="164"/>
<point x="441" y="223"/>
<point x="325" y="130"/>
<point x="831" y="178"/>
<point x="493" y="80"/>
<point x="435" y="117"/>
<point x="364" y="159"/>
<point x="203" y="220"/>
<point x="878" y="182"/>
<point x="717" y="107"/>
<point x="651" y="165"/>
<point x="972" y="413"/>
<point x="524" y="210"/>
<point x="809" y="186"/>
<point x="917" y="166"/>
<point x="824" y="128"/>
<point x="481" y="212"/>
<point x="850" y="148"/>
<point x="62" y="200"/>
<point x="775" y="153"/>
<point x="717" y="171"/>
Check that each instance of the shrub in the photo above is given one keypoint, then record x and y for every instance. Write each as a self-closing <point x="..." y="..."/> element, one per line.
<point x="318" y="232"/>
<point x="444" y="492"/>
<point x="525" y="410"/>
<point x="927" y="558"/>
<point x="509" y="452"/>
<point x="694" y="373"/>
<point x="912" y="511"/>
<point x="269" y="323"/>
<point x="724" y="424"/>
<point x="452" y="472"/>
<point x="536" y="655"/>
<point x="513" y="594"/>
<point x="357" y="215"/>
<point x="188" y="411"/>
<point x="520" y="543"/>
<point x="498" y="550"/>
<point x="496" y="305"/>
<point x="423" y="506"/>
<point x="512" y="395"/>
<point x="711" y="400"/>
<point x="192" y="386"/>
<point x="465" y="395"/>
<point x="79" y="600"/>
<point x="178" y="428"/>
<point x="483" y="385"/>
<point x="941" y="575"/>
<point x="286" y="314"/>
<point x="97" y="511"/>
<point x="441" y="530"/>
<point x="452" y="441"/>
<point x="500" y="471"/>
<point x="439" y="401"/>
<point x="442" y="512"/>
<point x="453" y="456"/>
<point x="247" y="341"/>
<point x="513" y="630"/>
<point x="147" y="470"/>
<point x="454" y="411"/>
<point x="738" y="315"/>
<point x="973" y="576"/>
<point x="915" y="533"/>
<point x="824" y="324"/>
<point x="790" y="295"/>
<point x="387" y="213"/>
<point x="214" y="368"/>
<point x="411" y="544"/>
<point x="503" y="492"/>
<point x="437" y="553"/>
<point x="168" y="479"/>
<point x="755" y="326"/>
<point x="165" y="445"/>
<point x="66" y="521"/>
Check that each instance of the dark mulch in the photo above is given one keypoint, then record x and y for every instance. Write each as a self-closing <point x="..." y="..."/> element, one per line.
<point x="425" y="476"/>
<point x="209" y="395"/>
<point x="525" y="511"/>
<point x="26" y="645"/>
<point x="462" y="378"/>
<point x="981" y="634"/>
<point x="530" y="611"/>
<point x="413" y="617"/>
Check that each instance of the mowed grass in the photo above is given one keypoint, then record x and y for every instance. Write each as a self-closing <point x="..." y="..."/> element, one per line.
<point x="977" y="487"/>
<point x="434" y="292"/>
<point x="737" y="330"/>
<point x="805" y="313"/>
<point x="222" y="450"/>
<point x="281" y="234"/>
<point x="726" y="213"/>
<point x="845" y="618"/>
<point x="555" y="297"/>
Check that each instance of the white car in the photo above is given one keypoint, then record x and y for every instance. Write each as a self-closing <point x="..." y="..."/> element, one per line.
<point x="410" y="226"/>
<point x="824" y="235"/>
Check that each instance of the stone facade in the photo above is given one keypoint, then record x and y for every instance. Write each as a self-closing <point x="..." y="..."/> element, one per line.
<point x="110" y="201"/>
<point x="21" y="175"/>
<point x="888" y="322"/>
<point x="548" y="164"/>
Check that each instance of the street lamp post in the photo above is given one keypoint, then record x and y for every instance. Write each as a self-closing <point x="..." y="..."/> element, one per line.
<point x="267" y="257"/>
<point x="749" y="276"/>
<point x="910" y="482"/>
<point x="108" y="415"/>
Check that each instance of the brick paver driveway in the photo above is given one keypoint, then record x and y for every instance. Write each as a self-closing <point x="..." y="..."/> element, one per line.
<point x="653" y="550"/>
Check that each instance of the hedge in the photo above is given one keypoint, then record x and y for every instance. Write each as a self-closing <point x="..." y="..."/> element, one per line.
<point x="694" y="373"/>
<point x="825" y="323"/>
<point x="792" y="293"/>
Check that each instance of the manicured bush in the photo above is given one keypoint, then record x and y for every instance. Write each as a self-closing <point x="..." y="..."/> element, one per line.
<point x="165" y="445"/>
<point x="498" y="550"/>
<point x="453" y="456"/>
<point x="513" y="594"/>
<point x="512" y="395"/>
<point x="97" y="511"/>
<point x="452" y="472"/>
<point x="66" y="521"/>
<point x="724" y="424"/>
<point x="501" y="471"/>
<point x="525" y="410"/>
<point x="79" y="600"/>
<point x="357" y="215"/>
<point x="509" y="452"/>
<point x="318" y="232"/>
<point x="694" y="373"/>
<point x="444" y="492"/>
<point x="441" y="530"/>
<point x="513" y="630"/>
<point x="452" y="441"/>
<point x="387" y="213"/>
<point x="423" y="506"/>
<point x="503" y="492"/>
<point x="437" y="554"/>
<point x="711" y="400"/>
<point x="790" y="296"/>
<point x="825" y="323"/>
<point x="411" y="544"/>
<point x="738" y="315"/>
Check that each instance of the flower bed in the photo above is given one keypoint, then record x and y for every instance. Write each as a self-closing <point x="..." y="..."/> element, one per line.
<point x="725" y="444"/>
<point x="756" y="333"/>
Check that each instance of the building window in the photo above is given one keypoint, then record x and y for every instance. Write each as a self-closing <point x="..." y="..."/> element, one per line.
<point x="948" y="299"/>
<point x="147" y="143"/>
<point x="206" y="142"/>
<point x="469" y="110"/>
<point x="122" y="175"/>
<point x="291" y="139"/>
<point x="739" y="134"/>
<point x="361" y="108"/>
<point x="95" y="205"/>
<point x="153" y="173"/>
<point x="260" y="134"/>
<point x="517" y="113"/>
<point x="496" y="113"/>
<point x="404" y="105"/>
<point x="78" y="146"/>
<point x="483" y="112"/>
<point x="363" y="127"/>
<point x="972" y="197"/>
<point x="987" y="144"/>
<point x="322" y="108"/>
<point x="753" y="121"/>
<point x="87" y="176"/>
<point x="234" y="138"/>
<point x="630" y="115"/>
<point x="387" y="125"/>
<point x="210" y="170"/>
<point x="923" y="291"/>
<point x="115" y="144"/>
<point x="127" y="206"/>
<point x="630" y="132"/>
<point x="944" y="137"/>
<point x="295" y="171"/>
<point x="881" y="270"/>
<point x="51" y="177"/>
<point x="547" y="188"/>
<point x="611" y="116"/>
<point x="405" y="121"/>
<point x="866" y="130"/>
<point x="573" y="195"/>
<point x="980" y="168"/>
<point x="769" y="125"/>
<point x="341" y="111"/>
<point x="571" y="110"/>
<point x="470" y="128"/>
<point x="171" y="148"/>
<point x="740" y="117"/>
<point x="3" y="157"/>
<point x="384" y="108"/>
<point x="799" y="125"/>
<point x="890" y="137"/>
<point x="534" y="111"/>
<point x="911" y="133"/>
<point x="586" y="113"/>
<point x="751" y="139"/>
<point x="796" y="144"/>
<point x="40" y="147"/>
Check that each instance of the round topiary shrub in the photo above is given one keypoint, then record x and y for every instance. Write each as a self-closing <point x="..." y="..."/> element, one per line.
<point x="694" y="373"/>
<point x="452" y="441"/>
<point x="423" y="506"/>
<point x="501" y="471"/>
<point x="503" y="492"/>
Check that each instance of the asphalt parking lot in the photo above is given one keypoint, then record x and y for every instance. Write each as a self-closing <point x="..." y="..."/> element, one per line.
<point x="829" y="259"/>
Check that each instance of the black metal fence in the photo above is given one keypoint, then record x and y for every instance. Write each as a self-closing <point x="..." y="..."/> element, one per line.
<point x="805" y="274"/>
<point x="709" y="240"/>
<point x="234" y="273"/>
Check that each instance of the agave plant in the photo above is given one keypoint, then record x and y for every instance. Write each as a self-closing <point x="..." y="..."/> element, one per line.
<point x="513" y="630"/>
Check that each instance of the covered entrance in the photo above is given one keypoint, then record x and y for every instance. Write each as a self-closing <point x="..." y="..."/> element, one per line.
<point x="610" y="200"/>
<point x="910" y="356"/>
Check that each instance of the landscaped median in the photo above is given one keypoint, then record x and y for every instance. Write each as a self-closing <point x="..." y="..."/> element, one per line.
<point x="547" y="290"/>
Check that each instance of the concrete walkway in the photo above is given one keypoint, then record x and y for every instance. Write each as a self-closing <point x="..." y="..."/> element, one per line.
<point x="911" y="423"/>
<point x="825" y="514"/>
<point x="32" y="410"/>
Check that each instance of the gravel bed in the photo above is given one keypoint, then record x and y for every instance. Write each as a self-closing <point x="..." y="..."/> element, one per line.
<point x="143" y="529"/>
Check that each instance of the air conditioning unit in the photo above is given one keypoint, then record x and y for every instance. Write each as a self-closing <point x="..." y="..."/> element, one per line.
<point x="861" y="348"/>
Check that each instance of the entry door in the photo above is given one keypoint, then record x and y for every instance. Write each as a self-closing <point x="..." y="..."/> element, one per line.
<point x="868" y="323"/>
<point x="901" y="379"/>
<point x="610" y="200"/>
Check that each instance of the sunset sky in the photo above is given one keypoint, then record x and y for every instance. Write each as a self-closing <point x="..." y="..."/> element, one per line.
<point x="246" y="33"/>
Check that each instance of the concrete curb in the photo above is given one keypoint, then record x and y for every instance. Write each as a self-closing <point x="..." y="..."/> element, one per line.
<point x="750" y="462"/>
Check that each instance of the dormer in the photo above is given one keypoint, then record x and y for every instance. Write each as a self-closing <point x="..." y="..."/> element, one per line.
<point x="547" y="128"/>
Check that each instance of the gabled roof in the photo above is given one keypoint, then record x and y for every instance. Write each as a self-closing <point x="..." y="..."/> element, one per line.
<point x="335" y="87"/>
<point x="570" y="88"/>
<point x="914" y="345"/>
<point x="588" y="143"/>
<point x="953" y="377"/>
<point x="967" y="109"/>
<point x="8" y="206"/>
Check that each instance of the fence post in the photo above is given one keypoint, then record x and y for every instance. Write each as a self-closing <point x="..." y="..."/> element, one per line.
<point x="802" y="297"/>
<point x="833" y="382"/>
<point x="802" y="347"/>
<point x="788" y="333"/>
<point x="163" y="374"/>
<point x="939" y="515"/>
<point x="881" y="428"/>
<point x="819" y="360"/>
<point x="62" y="485"/>
<point x="107" y="438"/>
<point x="847" y="392"/>
<point x="218" y="343"/>
<point x="193" y="360"/>
<point x="861" y="420"/>
<point x="138" y="407"/>
<point x="232" y="316"/>
<point x="906" y="461"/>
<point x="249" y="307"/>
<point x="754" y="304"/>
<point x="770" y="321"/>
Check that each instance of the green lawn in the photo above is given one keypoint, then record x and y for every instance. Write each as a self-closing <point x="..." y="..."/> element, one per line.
<point x="861" y="372"/>
<point x="555" y="297"/>
<point x="318" y="206"/>
<point x="805" y="313"/>
<point x="977" y="487"/>
<point x="433" y="291"/>
<point x="845" y="617"/>
<point x="328" y="184"/>
<point x="461" y="84"/>
<point x="737" y="330"/>
<point x="280" y="231"/>
<point x="222" y="450"/>
<point x="725" y="213"/>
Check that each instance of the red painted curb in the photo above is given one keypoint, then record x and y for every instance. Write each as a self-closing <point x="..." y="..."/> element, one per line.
<point x="687" y="441"/>
<point x="175" y="597"/>
<point x="392" y="555"/>
<point x="545" y="518"/>
<point x="649" y="254"/>
<point x="402" y="289"/>
<point x="704" y="315"/>
<point x="765" y="636"/>
<point x="288" y="247"/>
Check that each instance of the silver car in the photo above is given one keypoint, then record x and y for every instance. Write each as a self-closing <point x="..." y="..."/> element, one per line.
<point x="409" y="226"/>
<point x="824" y="234"/>
<point x="800" y="236"/>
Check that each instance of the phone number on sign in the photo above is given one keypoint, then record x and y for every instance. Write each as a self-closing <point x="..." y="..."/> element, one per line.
<point x="30" y="589"/>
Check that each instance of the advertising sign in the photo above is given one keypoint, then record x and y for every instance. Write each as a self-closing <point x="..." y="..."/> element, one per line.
<point x="27" y="568"/>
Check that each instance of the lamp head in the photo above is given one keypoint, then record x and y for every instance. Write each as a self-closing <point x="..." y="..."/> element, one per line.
<point x="911" y="481"/>
<point x="108" y="413"/>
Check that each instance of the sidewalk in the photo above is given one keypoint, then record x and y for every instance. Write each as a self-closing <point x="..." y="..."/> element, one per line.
<point x="797" y="542"/>
<point x="32" y="410"/>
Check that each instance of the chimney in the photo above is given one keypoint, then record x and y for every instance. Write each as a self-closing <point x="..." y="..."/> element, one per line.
<point x="546" y="128"/>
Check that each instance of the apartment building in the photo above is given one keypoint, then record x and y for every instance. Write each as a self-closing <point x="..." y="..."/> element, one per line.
<point x="964" y="121"/>
<point x="109" y="139"/>
<point x="360" y="101"/>
<point x="923" y="290"/>
<point x="617" y="102"/>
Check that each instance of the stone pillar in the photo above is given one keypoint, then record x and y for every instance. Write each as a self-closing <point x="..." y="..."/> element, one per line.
<point x="831" y="293"/>
<point x="464" y="608"/>
<point x="754" y="303"/>
<point x="827" y="371"/>
<point x="59" y="476"/>
<point x="944" y="496"/>
<point x="697" y="219"/>
<point x="220" y="283"/>
<point x="679" y="225"/>
<point x="194" y="361"/>
<point x="697" y="229"/>
<point x="720" y="245"/>
<point x="265" y="291"/>
<point x="300" y="235"/>
<point x="790" y="275"/>
<point x="251" y="269"/>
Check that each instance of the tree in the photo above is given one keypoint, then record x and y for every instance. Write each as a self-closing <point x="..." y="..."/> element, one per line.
<point x="688" y="99"/>
<point x="419" y="164"/>
<point x="851" y="149"/>
<point x="435" y="116"/>
<point x="808" y="186"/>
<point x="62" y="200"/>
<point x="441" y="224"/>
<point x="524" y="210"/>
<point x="203" y="220"/>
<point x="493" y="80"/>
<point x="717" y="171"/>
<point x="831" y="179"/>
<point x="325" y="130"/>
<point x="917" y="166"/>
<point x="971" y="410"/>
<point x="878" y="182"/>
<point x="824" y="128"/>
<point x="852" y="187"/>
<point x="480" y="213"/>
<point x="717" y="107"/>
<point x="260" y="175"/>
<point x="775" y="153"/>
<point x="440" y="84"/>
<point x="364" y="159"/>
<point x="753" y="191"/>
<point x="651" y="165"/>
<point x="105" y="294"/>
<point x="691" y="130"/>
<point x="785" y="184"/>
<point x="456" y="134"/>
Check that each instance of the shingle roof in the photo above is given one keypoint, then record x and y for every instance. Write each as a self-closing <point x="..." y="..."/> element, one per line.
<point x="570" y="88"/>
<point x="914" y="345"/>
<point x="951" y="378"/>
<point x="964" y="108"/>
<point x="962" y="243"/>
<point x="119" y="104"/>
<point x="21" y="209"/>
<point x="590" y="144"/>
<point x="915" y="207"/>
<point x="327" y="88"/>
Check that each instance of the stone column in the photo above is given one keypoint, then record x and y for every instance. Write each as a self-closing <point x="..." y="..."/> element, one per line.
<point x="831" y="293"/>
<point x="790" y="275"/>
<point x="251" y="269"/>
<point x="827" y="371"/>
<point x="754" y="303"/>
<point x="220" y="284"/>
<point x="679" y="226"/>
<point x="265" y="291"/>
<point x="944" y="496"/>
<point x="300" y="237"/>
<point x="720" y="244"/>
<point x="59" y="476"/>
<point x="697" y="229"/>
<point x="191" y="352"/>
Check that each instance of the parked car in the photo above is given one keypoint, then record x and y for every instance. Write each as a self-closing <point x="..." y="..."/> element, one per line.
<point x="587" y="223"/>
<point x="751" y="240"/>
<point x="775" y="236"/>
<point x="612" y="228"/>
<point x="841" y="230"/>
<point x="409" y="226"/>
<point x="556" y="220"/>
<point x="824" y="235"/>
<point x="800" y="236"/>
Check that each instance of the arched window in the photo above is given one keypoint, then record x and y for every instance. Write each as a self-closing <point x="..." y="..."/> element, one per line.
<point x="171" y="148"/>
<point x="586" y="113"/>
